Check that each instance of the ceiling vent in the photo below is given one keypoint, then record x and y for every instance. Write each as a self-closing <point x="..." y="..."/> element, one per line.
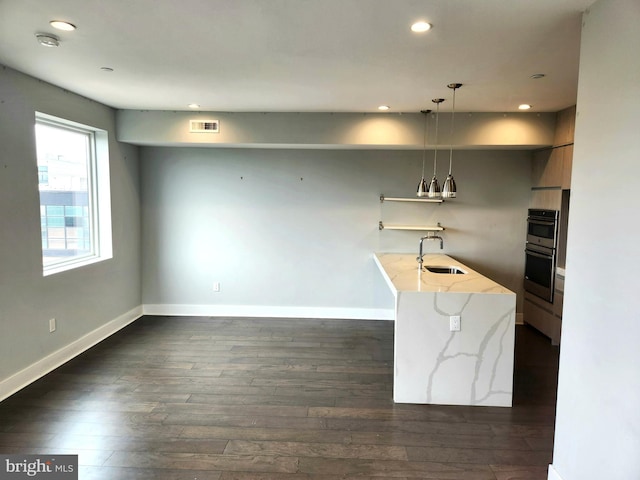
<point x="204" y="126"/>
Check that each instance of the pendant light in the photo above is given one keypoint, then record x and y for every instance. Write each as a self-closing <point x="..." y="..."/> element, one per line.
<point x="449" y="189"/>
<point x="434" y="188"/>
<point x="422" y="185"/>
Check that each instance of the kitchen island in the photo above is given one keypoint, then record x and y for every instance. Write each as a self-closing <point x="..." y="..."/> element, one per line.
<point x="432" y="363"/>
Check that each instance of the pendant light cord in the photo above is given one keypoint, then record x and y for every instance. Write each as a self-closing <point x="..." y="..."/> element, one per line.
<point x="435" y="150"/>
<point x="424" y="141"/>
<point x="453" y="113"/>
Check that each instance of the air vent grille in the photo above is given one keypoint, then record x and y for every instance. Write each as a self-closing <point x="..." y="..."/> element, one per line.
<point x="204" y="126"/>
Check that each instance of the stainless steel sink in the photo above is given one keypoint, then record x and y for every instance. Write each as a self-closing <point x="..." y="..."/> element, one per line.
<point x="445" y="270"/>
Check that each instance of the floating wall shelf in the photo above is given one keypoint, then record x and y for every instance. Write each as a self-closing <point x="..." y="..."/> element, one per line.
<point x="424" y="228"/>
<point x="402" y="199"/>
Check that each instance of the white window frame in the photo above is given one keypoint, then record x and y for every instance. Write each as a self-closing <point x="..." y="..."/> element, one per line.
<point x="99" y="192"/>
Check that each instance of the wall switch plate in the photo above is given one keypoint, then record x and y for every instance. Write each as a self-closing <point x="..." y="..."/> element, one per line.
<point x="216" y="286"/>
<point x="52" y="325"/>
<point x="454" y="323"/>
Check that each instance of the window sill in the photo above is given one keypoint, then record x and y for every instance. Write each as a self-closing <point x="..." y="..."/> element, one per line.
<point x="72" y="265"/>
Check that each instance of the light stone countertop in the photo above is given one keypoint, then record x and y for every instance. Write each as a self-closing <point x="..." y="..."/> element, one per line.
<point x="400" y="271"/>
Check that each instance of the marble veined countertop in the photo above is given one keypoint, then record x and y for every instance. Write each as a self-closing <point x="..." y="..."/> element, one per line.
<point x="400" y="271"/>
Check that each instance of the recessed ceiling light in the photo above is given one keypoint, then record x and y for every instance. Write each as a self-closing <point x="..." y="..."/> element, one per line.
<point x="420" y="27"/>
<point x="536" y="76"/>
<point x="524" y="106"/>
<point x="62" y="25"/>
<point x="193" y="105"/>
<point x="384" y="107"/>
<point x="106" y="69"/>
<point x="48" y="40"/>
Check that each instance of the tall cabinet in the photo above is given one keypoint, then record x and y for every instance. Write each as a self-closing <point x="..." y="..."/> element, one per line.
<point x="551" y="185"/>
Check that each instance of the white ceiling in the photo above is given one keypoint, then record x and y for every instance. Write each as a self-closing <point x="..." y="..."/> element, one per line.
<point x="302" y="55"/>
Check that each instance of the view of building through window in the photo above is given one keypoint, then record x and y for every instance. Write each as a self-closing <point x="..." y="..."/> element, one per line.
<point x="66" y="166"/>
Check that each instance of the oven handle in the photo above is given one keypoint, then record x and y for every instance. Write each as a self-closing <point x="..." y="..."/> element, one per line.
<point x="541" y="222"/>
<point x="539" y="255"/>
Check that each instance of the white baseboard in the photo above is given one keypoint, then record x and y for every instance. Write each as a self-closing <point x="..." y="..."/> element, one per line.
<point x="553" y="475"/>
<point x="33" y="372"/>
<point x="268" y="311"/>
<point x="520" y="318"/>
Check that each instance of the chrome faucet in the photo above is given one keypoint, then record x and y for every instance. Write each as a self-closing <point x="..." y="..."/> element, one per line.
<point x="422" y="239"/>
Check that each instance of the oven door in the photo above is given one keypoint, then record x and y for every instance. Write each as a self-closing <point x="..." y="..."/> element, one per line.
<point x="539" y="275"/>
<point x="541" y="232"/>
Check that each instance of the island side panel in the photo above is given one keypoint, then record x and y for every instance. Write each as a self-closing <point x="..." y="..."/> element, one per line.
<point x="471" y="367"/>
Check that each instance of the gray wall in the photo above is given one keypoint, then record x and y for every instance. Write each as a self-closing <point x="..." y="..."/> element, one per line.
<point x="296" y="228"/>
<point x="82" y="299"/>
<point x="598" y="418"/>
<point x="372" y="131"/>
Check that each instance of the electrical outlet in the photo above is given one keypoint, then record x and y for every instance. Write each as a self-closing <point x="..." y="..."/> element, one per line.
<point x="216" y="286"/>
<point x="454" y="323"/>
<point x="52" y="325"/>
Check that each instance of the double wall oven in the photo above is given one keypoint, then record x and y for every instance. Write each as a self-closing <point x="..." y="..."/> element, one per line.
<point x="541" y="249"/>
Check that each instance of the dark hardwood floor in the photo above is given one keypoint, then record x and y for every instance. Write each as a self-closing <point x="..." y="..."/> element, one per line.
<point x="220" y="398"/>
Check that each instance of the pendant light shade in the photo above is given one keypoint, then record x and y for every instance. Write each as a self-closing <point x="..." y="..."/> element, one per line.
<point x="434" y="187"/>
<point x="449" y="189"/>
<point x="423" y="190"/>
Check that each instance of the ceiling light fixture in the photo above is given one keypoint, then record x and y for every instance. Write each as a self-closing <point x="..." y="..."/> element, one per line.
<point x="48" y="40"/>
<point x="62" y="25"/>
<point x="193" y="105"/>
<point x="524" y="106"/>
<point x="384" y="108"/>
<point x="421" y="27"/>
<point x="449" y="189"/>
<point x="434" y="187"/>
<point x="422" y="189"/>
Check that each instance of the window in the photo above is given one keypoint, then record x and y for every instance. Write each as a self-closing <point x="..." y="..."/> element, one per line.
<point x="75" y="204"/>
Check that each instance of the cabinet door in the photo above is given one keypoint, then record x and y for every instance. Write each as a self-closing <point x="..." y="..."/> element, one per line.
<point x="547" y="168"/>
<point x="558" y="301"/>
<point x="550" y="199"/>
<point x="538" y="164"/>
<point x="565" y="125"/>
<point x="541" y="317"/>
<point x="567" y="163"/>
